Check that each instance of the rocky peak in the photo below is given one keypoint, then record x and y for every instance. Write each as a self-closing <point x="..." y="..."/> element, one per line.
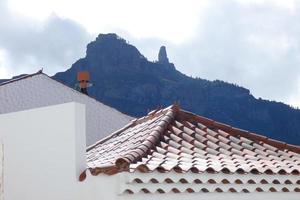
<point x="109" y="37"/>
<point x="110" y="41"/>
<point x="162" y="55"/>
<point x="111" y="51"/>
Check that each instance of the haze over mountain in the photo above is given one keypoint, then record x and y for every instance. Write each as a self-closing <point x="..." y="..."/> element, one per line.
<point x="123" y="78"/>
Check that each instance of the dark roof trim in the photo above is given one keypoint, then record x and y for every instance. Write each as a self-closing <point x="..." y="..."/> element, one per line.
<point x="22" y="77"/>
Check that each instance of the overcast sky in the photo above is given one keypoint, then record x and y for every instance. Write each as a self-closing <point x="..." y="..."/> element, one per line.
<point x="253" y="43"/>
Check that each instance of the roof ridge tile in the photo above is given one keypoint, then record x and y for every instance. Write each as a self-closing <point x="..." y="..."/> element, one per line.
<point x="125" y="160"/>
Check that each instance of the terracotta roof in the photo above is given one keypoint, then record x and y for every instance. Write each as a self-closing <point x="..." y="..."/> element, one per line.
<point x="174" y="139"/>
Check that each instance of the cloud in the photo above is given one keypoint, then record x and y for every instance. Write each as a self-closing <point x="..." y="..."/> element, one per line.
<point x="254" y="44"/>
<point x="28" y="45"/>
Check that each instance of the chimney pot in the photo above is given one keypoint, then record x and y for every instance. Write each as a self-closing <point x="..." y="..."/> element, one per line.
<point x="83" y="78"/>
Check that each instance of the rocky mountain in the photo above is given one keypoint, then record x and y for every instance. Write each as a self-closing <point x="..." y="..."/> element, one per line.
<point x="162" y="56"/>
<point x="123" y="78"/>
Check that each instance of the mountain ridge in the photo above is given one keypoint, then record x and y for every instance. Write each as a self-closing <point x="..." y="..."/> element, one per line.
<point x="124" y="79"/>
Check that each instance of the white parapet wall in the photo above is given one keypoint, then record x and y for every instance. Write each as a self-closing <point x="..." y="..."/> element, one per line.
<point x="44" y="153"/>
<point x="113" y="187"/>
<point x="1" y="170"/>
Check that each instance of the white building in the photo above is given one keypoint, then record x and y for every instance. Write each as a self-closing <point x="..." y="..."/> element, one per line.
<point x="168" y="154"/>
<point x="39" y="90"/>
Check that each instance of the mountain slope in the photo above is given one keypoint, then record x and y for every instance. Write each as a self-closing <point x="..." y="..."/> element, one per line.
<point x="123" y="78"/>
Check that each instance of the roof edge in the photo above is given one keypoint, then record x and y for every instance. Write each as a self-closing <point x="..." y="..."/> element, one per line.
<point x="22" y="77"/>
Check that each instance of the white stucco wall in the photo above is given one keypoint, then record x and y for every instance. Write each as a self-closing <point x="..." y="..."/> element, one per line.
<point x="1" y="170"/>
<point x="44" y="153"/>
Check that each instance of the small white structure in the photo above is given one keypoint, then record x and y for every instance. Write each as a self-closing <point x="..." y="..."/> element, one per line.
<point x="44" y="152"/>
<point x="169" y="154"/>
<point x="39" y="90"/>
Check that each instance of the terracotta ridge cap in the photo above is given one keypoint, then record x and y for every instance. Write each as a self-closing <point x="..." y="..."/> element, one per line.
<point x="123" y="162"/>
<point x="156" y="112"/>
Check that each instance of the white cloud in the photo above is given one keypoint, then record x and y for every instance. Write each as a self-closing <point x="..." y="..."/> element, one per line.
<point x="30" y="45"/>
<point x="254" y="43"/>
<point x="4" y="73"/>
<point x="171" y="20"/>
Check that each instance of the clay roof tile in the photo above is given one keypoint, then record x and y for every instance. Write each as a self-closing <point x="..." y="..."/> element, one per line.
<point x="174" y="139"/>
